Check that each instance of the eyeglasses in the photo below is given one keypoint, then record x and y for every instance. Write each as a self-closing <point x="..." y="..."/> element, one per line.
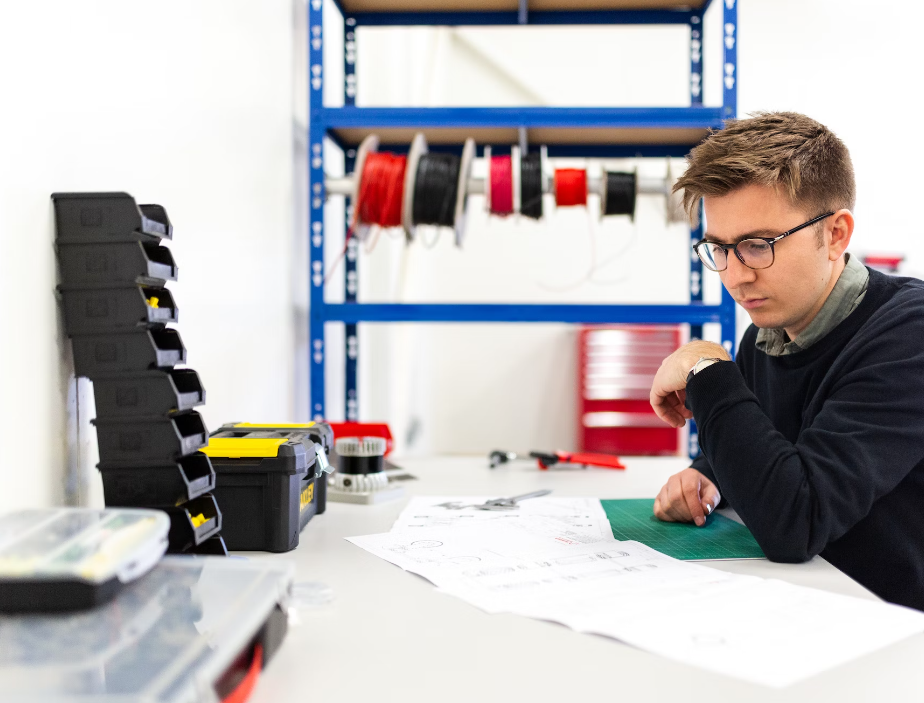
<point x="755" y="253"/>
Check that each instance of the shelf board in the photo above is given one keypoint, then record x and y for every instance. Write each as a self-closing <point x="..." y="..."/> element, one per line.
<point x="695" y="313"/>
<point x="357" y="6"/>
<point x="592" y="126"/>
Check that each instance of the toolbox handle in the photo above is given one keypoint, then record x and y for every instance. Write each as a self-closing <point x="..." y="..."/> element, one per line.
<point x="243" y="690"/>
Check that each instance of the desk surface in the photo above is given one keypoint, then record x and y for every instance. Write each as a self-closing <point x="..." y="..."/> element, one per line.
<point x="389" y="636"/>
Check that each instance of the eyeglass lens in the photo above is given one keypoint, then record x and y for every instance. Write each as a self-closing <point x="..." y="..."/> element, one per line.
<point x="757" y="254"/>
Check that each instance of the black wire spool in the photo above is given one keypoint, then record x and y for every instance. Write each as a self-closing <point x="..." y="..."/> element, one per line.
<point x="435" y="189"/>
<point x="619" y="196"/>
<point x="531" y="185"/>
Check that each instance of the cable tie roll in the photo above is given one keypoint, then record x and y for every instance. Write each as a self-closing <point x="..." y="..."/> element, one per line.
<point x="531" y="185"/>
<point x="435" y="190"/>
<point x="501" y="175"/>
<point x="619" y="193"/>
<point x="360" y="455"/>
<point x="570" y="187"/>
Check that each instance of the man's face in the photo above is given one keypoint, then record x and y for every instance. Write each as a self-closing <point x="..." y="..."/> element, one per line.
<point x="789" y="293"/>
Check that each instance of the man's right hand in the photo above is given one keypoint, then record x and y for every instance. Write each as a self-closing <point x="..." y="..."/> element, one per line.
<point x="687" y="497"/>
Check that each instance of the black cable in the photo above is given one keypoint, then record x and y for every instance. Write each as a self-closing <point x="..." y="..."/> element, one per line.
<point x="620" y="193"/>
<point x="435" y="190"/>
<point x="531" y="185"/>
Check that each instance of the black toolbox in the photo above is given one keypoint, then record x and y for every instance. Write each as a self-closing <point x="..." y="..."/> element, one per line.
<point x="114" y="265"/>
<point x="309" y="433"/>
<point x="267" y="489"/>
<point x="96" y="311"/>
<point x="97" y="355"/>
<point x="158" y="486"/>
<point x="156" y="393"/>
<point x="108" y="217"/>
<point x="151" y="441"/>
<point x="193" y="523"/>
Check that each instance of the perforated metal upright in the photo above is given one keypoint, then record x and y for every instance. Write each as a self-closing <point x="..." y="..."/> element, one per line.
<point x="681" y="128"/>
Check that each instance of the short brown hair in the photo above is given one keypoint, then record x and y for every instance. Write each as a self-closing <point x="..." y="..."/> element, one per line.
<point x="787" y="150"/>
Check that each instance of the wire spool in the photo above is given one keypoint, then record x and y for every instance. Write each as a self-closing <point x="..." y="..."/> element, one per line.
<point x="465" y="170"/>
<point x="361" y="465"/>
<point x="418" y="149"/>
<point x="500" y="185"/>
<point x="487" y="181"/>
<point x="618" y="194"/>
<point x="570" y="187"/>
<point x="380" y="192"/>
<point x="515" y="161"/>
<point x="530" y="190"/>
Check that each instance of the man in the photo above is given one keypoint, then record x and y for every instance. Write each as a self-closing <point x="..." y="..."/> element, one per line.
<point x="815" y="434"/>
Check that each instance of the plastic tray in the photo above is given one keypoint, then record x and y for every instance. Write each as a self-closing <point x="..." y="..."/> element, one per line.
<point x="158" y="486"/>
<point x="213" y="546"/>
<point x="108" y="217"/>
<point x="149" y="442"/>
<point x="116" y="309"/>
<point x="74" y="558"/>
<point x="267" y="490"/>
<point x="101" y="355"/>
<point x="184" y="532"/>
<point x="176" y="636"/>
<point x="114" y="265"/>
<point x="150" y="394"/>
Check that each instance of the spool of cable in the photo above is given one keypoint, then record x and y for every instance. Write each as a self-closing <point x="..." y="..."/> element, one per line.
<point x="531" y="185"/>
<point x="570" y="187"/>
<point x="500" y="178"/>
<point x="618" y="194"/>
<point x="361" y="465"/>
<point x="435" y="190"/>
<point x="417" y="150"/>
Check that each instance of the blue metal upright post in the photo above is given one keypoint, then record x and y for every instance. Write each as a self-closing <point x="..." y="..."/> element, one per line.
<point x="316" y="204"/>
<point x="351" y="275"/>
<point x="729" y="111"/>
<point x="696" y="100"/>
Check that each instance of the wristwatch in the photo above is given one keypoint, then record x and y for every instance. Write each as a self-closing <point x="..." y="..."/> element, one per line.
<point x="702" y="363"/>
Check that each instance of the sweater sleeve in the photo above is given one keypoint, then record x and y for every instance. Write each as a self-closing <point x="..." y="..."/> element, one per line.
<point x="867" y="436"/>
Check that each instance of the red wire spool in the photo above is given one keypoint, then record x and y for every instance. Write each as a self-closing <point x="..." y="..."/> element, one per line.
<point x="570" y="187"/>
<point x="381" y="189"/>
<point x="501" y="185"/>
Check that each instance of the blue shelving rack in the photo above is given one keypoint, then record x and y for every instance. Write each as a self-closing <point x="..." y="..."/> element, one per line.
<point x="624" y="132"/>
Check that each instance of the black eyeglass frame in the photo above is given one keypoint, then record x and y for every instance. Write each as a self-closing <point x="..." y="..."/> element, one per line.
<point x="769" y="240"/>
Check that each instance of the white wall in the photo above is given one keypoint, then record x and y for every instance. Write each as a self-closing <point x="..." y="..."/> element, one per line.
<point x="184" y="103"/>
<point x="475" y="388"/>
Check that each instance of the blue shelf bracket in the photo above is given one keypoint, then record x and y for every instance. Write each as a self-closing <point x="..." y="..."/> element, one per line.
<point x="316" y="195"/>
<point x="730" y="47"/>
<point x="351" y="275"/>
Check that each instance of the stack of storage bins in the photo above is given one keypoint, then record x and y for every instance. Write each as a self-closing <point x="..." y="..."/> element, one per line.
<point x="113" y="271"/>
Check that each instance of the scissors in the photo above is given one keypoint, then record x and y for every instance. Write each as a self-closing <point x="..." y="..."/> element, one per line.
<point x="495" y="503"/>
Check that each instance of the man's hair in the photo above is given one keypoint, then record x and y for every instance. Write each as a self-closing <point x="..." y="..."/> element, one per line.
<point x="785" y="150"/>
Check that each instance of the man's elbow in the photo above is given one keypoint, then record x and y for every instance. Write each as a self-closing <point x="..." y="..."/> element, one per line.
<point x="786" y="552"/>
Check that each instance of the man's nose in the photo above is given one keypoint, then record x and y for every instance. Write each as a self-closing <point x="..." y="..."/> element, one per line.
<point x="737" y="273"/>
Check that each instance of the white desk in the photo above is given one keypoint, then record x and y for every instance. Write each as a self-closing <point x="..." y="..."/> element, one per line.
<point x="389" y="636"/>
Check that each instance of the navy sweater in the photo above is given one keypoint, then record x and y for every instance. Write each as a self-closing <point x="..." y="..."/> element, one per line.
<point x="822" y="451"/>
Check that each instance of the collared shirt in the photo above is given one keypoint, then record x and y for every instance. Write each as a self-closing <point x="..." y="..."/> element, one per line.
<point x="846" y="295"/>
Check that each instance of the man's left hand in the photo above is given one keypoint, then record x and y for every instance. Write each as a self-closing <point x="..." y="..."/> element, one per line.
<point x="668" y="392"/>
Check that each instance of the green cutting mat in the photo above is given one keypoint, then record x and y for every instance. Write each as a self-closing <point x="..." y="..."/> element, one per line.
<point x="719" y="538"/>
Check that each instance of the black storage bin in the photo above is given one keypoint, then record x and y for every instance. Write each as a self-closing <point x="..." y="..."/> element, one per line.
<point x="108" y="217"/>
<point x="158" y="486"/>
<point x="116" y="309"/>
<point x="267" y="491"/>
<point x="213" y="546"/>
<point x="149" y="441"/>
<point x="149" y="394"/>
<point x="309" y="433"/>
<point x="193" y="523"/>
<point x="114" y="265"/>
<point x="100" y="355"/>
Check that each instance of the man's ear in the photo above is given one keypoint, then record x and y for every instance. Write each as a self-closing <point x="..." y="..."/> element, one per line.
<point x="841" y="232"/>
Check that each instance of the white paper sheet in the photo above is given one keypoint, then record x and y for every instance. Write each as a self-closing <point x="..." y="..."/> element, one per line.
<point x="764" y="631"/>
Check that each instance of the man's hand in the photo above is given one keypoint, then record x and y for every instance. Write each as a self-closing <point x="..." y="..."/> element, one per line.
<point x="668" y="392"/>
<point x="687" y="497"/>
